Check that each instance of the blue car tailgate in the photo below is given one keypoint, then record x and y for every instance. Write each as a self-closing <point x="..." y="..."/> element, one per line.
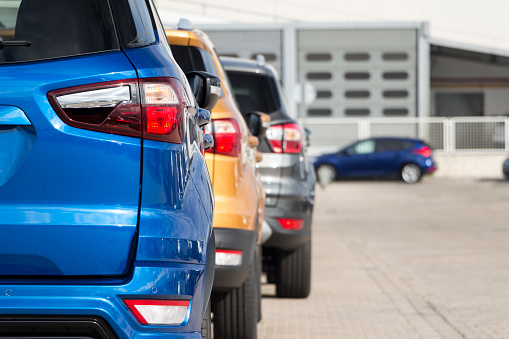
<point x="68" y="196"/>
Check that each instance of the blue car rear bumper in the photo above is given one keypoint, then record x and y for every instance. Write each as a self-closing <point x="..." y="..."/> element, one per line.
<point x="104" y="301"/>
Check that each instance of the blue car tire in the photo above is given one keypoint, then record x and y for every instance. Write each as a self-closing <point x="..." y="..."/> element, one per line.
<point x="326" y="174"/>
<point x="411" y="173"/>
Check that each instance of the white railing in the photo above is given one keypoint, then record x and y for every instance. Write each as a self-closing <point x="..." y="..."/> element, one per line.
<point x="447" y="135"/>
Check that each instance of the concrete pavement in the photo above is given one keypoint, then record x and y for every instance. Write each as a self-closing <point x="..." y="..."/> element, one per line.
<point x="392" y="260"/>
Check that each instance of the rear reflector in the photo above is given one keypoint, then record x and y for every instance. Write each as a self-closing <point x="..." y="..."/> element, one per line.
<point x="228" y="257"/>
<point x="159" y="312"/>
<point x="285" y="138"/>
<point x="291" y="224"/>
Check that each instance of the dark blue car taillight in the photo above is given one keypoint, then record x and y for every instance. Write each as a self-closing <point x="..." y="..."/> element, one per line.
<point x="152" y="108"/>
<point x="425" y="151"/>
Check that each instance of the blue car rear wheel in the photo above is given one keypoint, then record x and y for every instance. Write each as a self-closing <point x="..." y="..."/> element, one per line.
<point x="326" y="174"/>
<point x="411" y="173"/>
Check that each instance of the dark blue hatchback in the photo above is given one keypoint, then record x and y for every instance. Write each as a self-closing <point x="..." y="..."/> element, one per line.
<point x="105" y="200"/>
<point x="408" y="158"/>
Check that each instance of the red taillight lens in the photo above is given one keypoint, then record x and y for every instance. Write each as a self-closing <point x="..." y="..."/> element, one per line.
<point x="226" y="133"/>
<point x="123" y="107"/>
<point x="159" y="311"/>
<point x="160" y="120"/>
<point x="285" y="138"/>
<point x="425" y="151"/>
<point x="291" y="224"/>
<point x="162" y="101"/>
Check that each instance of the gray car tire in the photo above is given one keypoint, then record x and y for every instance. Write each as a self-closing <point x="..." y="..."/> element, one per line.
<point x="293" y="272"/>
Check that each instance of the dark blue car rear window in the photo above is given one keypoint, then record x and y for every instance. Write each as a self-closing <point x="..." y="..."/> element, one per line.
<point x="55" y="28"/>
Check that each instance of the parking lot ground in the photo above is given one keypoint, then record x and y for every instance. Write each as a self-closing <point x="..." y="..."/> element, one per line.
<point x="392" y="260"/>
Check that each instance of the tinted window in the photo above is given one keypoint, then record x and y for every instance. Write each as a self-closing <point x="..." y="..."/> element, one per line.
<point x="135" y="24"/>
<point x="193" y="59"/>
<point x="210" y="66"/>
<point x="255" y="92"/>
<point x="182" y="56"/>
<point x="389" y="145"/>
<point x="364" y="147"/>
<point x="55" y="28"/>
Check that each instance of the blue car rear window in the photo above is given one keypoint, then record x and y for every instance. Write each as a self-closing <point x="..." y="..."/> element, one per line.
<point x="48" y="29"/>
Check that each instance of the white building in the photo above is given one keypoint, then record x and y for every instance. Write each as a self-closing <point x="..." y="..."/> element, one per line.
<point x="410" y="60"/>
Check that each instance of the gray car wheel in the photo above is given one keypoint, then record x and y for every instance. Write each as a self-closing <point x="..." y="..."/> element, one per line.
<point x="293" y="274"/>
<point x="411" y="173"/>
<point x="326" y="174"/>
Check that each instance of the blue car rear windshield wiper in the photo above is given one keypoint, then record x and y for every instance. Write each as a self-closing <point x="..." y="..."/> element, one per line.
<point x="22" y="43"/>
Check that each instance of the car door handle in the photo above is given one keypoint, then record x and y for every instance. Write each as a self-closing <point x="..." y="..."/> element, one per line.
<point x="11" y="115"/>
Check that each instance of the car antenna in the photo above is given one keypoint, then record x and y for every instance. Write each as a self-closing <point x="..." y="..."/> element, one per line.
<point x="260" y="59"/>
<point x="185" y="25"/>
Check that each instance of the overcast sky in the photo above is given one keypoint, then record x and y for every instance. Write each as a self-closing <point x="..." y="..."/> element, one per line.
<point x="483" y="23"/>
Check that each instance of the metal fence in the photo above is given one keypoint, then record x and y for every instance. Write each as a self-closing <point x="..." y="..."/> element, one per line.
<point x="445" y="135"/>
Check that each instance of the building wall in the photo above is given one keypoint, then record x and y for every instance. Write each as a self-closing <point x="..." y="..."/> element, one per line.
<point x="248" y="43"/>
<point x="359" y="72"/>
<point x="467" y="78"/>
<point x="481" y="23"/>
<point x="366" y="71"/>
<point x="476" y="166"/>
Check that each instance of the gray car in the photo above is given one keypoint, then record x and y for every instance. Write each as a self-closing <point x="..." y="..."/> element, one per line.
<point x="287" y="177"/>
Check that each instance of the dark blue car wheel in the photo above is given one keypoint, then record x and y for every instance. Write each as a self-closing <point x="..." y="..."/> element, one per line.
<point x="411" y="173"/>
<point x="326" y="174"/>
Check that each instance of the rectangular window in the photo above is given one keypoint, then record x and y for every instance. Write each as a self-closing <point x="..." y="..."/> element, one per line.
<point x="254" y="92"/>
<point x="38" y="30"/>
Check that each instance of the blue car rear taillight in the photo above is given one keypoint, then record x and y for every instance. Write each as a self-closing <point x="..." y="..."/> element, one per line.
<point x="152" y="108"/>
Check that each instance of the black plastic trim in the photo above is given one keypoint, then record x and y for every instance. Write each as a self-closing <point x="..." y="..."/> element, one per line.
<point x="226" y="277"/>
<point x="32" y="326"/>
<point x="289" y="208"/>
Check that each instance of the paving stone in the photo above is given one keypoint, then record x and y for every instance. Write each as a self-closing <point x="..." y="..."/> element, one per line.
<point x="392" y="260"/>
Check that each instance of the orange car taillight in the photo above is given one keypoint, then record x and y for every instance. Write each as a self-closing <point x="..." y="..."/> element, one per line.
<point x="286" y="138"/>
<point x="226" y="134"/>
<point x="159" y="311"/>
<point x="152" y="108"/>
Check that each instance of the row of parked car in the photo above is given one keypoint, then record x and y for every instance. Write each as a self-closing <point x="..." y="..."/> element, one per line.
<point x="145" y="184"/>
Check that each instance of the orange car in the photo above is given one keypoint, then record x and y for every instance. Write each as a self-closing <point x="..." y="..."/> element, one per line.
<point x="238" y="191"/>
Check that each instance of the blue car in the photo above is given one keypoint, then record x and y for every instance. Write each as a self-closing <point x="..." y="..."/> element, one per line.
<point x="407" y="158"/>
<point x="105" y="200"/>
